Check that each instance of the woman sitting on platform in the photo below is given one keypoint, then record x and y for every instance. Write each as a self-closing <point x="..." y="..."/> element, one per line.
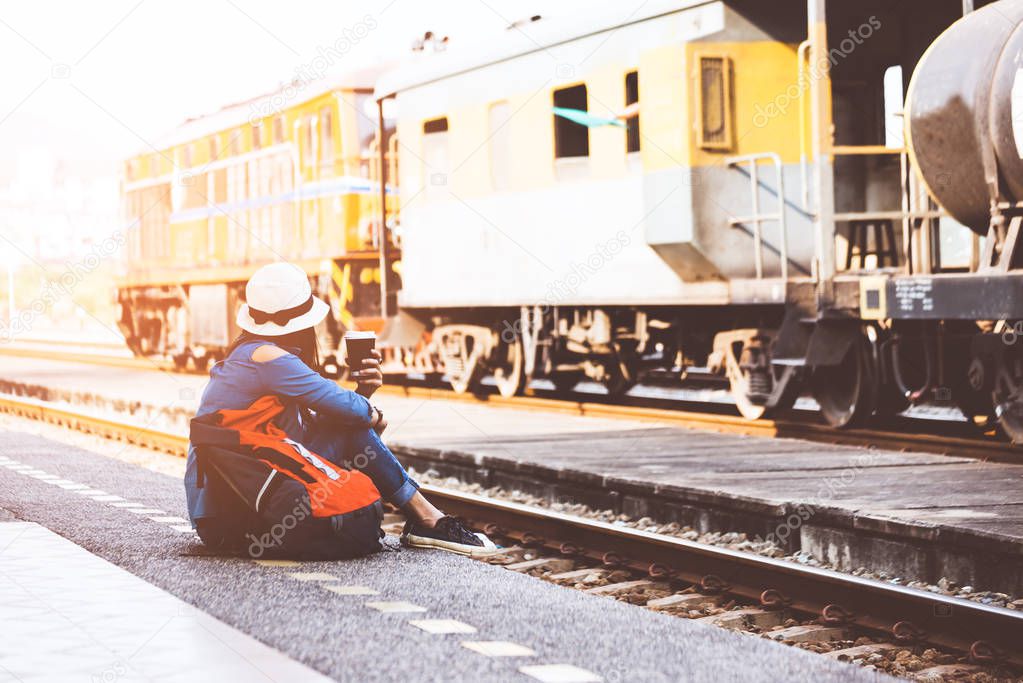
<point x="276" y="356"/>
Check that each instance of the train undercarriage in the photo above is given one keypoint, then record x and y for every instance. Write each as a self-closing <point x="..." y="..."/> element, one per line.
<point x="856" y="370"/>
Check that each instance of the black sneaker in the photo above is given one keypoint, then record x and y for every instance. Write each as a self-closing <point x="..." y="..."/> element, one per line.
<point x="448" y="534"/>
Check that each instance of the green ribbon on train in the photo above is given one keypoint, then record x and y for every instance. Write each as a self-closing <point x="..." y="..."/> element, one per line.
<point x="587" y="119"/>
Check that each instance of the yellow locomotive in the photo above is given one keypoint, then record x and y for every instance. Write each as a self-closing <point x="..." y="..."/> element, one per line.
<point x="292" y="175"/>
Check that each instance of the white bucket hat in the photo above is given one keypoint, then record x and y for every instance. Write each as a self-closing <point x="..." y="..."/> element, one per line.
<point x="280" y="301"/>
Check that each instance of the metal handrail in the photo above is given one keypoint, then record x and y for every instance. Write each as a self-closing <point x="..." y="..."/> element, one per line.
<point x="757" y="218"/>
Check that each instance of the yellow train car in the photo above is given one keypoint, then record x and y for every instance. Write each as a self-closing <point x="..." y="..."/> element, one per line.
<point x="292" y="175"/>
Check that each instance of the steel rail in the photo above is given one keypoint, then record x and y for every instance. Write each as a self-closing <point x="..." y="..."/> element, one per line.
<point x="906" y="614"/>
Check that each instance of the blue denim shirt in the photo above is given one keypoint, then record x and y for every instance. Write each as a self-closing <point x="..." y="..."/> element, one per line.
<point x="238" y="380"/>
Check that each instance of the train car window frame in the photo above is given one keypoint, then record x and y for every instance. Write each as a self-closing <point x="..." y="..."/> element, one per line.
<point x="257" y="135"/>
<point x="437" y="125"/>
<point x="279" y="135"/>
<point x="309" y="140"/>
<point x="499" y="144"/>
<point x="326" y="131"/>
<point x="714" y="134"/>
<point x="632" y="134"/>
<point x="435" y="156"/>
<point x="571" y="139"/>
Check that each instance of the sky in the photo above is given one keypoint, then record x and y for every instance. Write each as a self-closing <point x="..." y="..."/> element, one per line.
<point x="94" y="82"/>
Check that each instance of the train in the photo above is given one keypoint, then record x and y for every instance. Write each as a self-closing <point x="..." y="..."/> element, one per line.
<point x="796" y="197"/>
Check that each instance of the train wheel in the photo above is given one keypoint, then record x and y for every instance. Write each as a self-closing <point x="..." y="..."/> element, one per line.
<point x="566" y="380"/>
<point x="743" y="379"/>
<point x="506" y="363"/>
<point x="1007" y="396"/>
<point x="847" y="392"/>
<point x="464" y="372"/>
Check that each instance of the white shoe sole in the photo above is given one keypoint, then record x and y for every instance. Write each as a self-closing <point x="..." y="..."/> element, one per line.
<point x="451" y="547"/>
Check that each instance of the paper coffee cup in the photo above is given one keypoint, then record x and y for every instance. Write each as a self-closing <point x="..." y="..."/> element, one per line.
<point x="358" y="344"/>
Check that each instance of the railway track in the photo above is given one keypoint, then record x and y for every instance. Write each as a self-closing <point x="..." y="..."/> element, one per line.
<point x="904" y="435"/>
<point x="816" y="603"/>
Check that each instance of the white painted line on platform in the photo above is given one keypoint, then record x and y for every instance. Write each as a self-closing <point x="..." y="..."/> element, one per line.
<point x="352" y="590"/>
<point x="73" y="486"/>
<point x="170" y="520"/>
<point x="145" y="511"/>
<point x="311" y="576"/>
<point x="91" y="492"/>
<point x="394" y="607"/>
<point x="61" y="482"/>
<point x="278" y="563"/>
<point x="498" y="648"/>
<point x="126" y="504"/>
<point x="183" y="528"/>
<point x="560" y="673"/>
<point x="442" y="626"/>
<point x="108" y="499"/>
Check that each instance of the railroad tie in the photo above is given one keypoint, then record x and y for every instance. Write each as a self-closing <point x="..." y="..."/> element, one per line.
<point x="850" y="654"/>
<point x="614" y="588"/>
<point x="745" y="618"/>
<point x="812" y="633"/>
<point x="579" y="574"/>
<point x="554" y="564"/>
<point x="944" y="672"/>
<point x="688" y="600"/>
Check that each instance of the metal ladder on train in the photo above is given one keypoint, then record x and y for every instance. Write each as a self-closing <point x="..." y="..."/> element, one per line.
<point x="756" y="218"/>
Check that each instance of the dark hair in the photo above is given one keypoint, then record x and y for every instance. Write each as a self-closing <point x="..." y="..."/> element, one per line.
<point x="303" y="341"/>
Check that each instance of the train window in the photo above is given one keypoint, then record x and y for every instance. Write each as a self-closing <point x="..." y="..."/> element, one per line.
<point x="327" y="136"/>
<point x="278" y="130"/>
<point x="435" y="157"/>
<point x="571" y="139"/>
<point x="214" y="150"/>
<point x="257" y="135"/>
<point x="632" y="122"/>
<point x="499" y="143"/>
<point x="893" y="101"/>
<point x="186" y="156"/>
<point x="235" y="145"/>
<point x="309" y="139"/>
<point x="436" y="125"/>
<point x="714" y="102"/>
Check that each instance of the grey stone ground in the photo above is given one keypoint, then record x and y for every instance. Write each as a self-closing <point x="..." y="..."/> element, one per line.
<point x="341" y="637"/>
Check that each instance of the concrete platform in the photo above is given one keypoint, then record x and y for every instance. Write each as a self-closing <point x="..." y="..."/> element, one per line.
<point x="911" y="514"/>
<point x="314" y="615"/>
